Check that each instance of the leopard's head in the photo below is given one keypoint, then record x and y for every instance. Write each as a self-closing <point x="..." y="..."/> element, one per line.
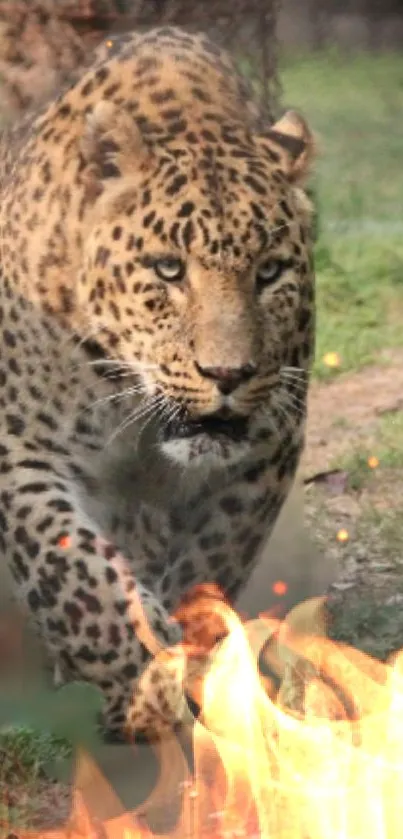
<point x="198" y="272"/>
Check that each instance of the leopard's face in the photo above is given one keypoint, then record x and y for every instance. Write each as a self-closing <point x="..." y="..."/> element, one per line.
<point x="198" y="279"/>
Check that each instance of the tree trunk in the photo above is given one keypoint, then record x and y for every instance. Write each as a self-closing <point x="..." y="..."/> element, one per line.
<point x="43" y="41"/>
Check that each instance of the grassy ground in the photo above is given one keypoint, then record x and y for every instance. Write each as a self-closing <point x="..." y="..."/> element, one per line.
<point x="355" y="106"/>
<point x="26" y="797"/>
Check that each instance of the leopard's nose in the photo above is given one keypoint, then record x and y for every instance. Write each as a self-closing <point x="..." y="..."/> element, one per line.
<point x="228" y="379"/>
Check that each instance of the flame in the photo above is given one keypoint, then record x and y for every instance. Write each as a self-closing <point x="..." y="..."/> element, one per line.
<point x="314" y="750"/>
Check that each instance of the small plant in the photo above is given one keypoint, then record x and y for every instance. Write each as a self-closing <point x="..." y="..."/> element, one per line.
<point x="24" y="752"/>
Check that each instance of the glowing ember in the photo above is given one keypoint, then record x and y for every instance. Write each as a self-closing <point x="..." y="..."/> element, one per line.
<point x="64" y="542"/>
<point x="332" y="359"/>
<point x="373" y="462"/>
<point x="279" y="588"/>
<point x="320" y="757"/>
<point x="342" y="535"/>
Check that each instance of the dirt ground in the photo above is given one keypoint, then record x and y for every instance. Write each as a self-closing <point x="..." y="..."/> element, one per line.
<point x="354" y="513"/>
<point x="345" y="411"/>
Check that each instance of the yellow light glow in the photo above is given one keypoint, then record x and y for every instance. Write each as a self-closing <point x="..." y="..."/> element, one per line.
<point x="332" y="359"/>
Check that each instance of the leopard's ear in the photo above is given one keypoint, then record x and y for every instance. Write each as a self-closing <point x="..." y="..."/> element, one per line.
<point x="111" y="146"/>
<point x="291" y="141"/>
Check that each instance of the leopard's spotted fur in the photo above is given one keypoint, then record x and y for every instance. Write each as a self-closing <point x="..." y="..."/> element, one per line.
<point x="157" y="310"/>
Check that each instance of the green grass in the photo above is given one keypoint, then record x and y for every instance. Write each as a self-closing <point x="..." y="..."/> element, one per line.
<point x="25" y="755"/>
<point x="355" y="107"/>
<point x="25" y="752"/>
<point x="388" y="449"/>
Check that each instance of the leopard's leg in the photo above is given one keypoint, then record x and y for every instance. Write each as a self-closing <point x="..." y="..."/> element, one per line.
<point x="95" y="619"/>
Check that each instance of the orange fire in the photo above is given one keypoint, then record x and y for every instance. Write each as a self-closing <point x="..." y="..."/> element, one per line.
<point x="313" y="749"/>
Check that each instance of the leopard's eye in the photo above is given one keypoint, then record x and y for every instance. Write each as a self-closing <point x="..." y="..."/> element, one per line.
<point x="169" y="269"/>
<point x="269" y="271"/>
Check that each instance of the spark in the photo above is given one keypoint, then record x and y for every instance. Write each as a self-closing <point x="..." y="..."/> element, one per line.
<point x="279" y="588"/>
<point x="332" y="359"/>
<point x="64" y="542"/>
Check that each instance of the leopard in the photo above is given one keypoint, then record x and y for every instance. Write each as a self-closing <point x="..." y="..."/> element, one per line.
<point x="157" y="315"/>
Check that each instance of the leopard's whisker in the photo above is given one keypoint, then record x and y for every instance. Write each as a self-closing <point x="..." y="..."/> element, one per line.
<point x="134" y="416"/>
<point x="123" y="394"/>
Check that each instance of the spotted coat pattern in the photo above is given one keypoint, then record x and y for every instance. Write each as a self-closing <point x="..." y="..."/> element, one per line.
<point x="157" y="319"/>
